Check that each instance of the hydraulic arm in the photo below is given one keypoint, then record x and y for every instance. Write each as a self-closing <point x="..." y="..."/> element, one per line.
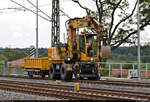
<point x="92" y="24"/>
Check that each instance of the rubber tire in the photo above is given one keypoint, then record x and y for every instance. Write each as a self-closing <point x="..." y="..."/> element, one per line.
<point x="65" y="75"/>
<point x="42" y="74"/>
<point x="52" y="72"/>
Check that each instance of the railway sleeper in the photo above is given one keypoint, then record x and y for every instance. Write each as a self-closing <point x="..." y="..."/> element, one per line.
<point x="40" y="91"/>
<point x="114" y="93"/>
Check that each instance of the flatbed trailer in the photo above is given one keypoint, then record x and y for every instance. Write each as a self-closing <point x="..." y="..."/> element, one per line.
<point x="37" y="66"/>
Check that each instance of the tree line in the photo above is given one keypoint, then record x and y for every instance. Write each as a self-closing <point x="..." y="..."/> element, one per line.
<point x="10" y="54"/>
<point x="129" y="54"/>
<point x="121" y="54"/>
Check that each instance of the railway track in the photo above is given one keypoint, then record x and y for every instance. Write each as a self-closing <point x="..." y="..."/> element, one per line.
<point x="67" y="92"/>
<point x="99" y="82"/>
<point x="116" y="83"/>
<point x="58" y="91"/>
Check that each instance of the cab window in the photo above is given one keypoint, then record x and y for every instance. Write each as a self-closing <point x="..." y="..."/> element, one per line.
<point x="82" y="44"/>
<point x="91" y="44"/>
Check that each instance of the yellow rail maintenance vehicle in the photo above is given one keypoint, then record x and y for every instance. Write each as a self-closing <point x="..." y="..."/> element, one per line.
<point x="80" y="56"/>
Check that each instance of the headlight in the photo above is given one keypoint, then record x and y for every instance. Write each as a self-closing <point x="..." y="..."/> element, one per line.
<point x="68" y="59"/>
<point x="92" y="59"/>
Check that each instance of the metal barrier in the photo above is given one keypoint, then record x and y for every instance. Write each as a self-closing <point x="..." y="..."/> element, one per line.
<point x="122" y="70"/>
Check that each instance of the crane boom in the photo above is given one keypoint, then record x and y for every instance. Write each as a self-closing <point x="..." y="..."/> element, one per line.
<point x="77" y="23"/>
<point x="88" y="21"/>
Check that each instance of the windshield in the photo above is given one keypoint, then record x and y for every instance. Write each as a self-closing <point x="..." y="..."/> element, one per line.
<point x="82" y="44"/>
<point x="91" y="45"/>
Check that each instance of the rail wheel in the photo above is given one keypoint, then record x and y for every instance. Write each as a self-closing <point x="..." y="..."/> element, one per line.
<point x="94" y="78"/>
<point x="30" y="74"/>
<point x="65" y="75"/>
<point x="43" y="76"/>
<point x="52" y="72"/>
<point x="97" y="77"/>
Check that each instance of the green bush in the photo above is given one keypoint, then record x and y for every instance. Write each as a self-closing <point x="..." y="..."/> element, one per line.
<point x="1" y="68"/>
<point x="127" y="66"/>
<point x="104" y="72"/>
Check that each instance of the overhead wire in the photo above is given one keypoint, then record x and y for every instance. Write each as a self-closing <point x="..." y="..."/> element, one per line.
<point x="23" y="8"/>
<point x="18" y="9"/>
<point x="4" y="10"/>
<point x="38" y="9"/>
<point x="30" y="10"/>
<point x="65" y="13"/>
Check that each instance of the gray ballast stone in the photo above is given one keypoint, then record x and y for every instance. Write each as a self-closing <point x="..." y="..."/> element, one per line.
<point x="6" y="95"/>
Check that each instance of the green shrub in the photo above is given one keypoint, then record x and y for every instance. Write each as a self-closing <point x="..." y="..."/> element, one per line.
<point x="104" y="72"/>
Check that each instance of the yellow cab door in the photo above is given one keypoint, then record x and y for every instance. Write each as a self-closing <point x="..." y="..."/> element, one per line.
<point x="82" y="47"/>
<point x="88" y="48"/>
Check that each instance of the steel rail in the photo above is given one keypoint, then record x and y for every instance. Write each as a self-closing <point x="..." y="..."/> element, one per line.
<point x="103" y="82"/>
<point x="44" y="91"/>
<point x="117" y="94"/>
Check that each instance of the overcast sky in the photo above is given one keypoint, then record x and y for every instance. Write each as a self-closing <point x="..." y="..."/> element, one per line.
<point x="17" y="28"/>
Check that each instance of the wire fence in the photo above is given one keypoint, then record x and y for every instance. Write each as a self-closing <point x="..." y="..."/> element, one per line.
<point x="125" y="70"/>
<point x="119" y="70"/>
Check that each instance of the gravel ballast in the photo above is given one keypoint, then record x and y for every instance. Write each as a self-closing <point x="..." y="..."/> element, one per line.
<point x="31" y="97"/>
<point x="7" y="95"/>
<point x="114" y="87"/>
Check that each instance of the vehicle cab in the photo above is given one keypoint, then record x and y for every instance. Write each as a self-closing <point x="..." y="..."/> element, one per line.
<point x="88" y="46"/>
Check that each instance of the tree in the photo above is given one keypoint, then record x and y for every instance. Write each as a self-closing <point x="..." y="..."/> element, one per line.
<point x="122" y="26"/>
<point x="2" y="58"/>
<point x="12" y="54"/>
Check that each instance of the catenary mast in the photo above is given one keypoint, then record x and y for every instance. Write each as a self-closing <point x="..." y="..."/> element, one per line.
<point x="55" y="29"/>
